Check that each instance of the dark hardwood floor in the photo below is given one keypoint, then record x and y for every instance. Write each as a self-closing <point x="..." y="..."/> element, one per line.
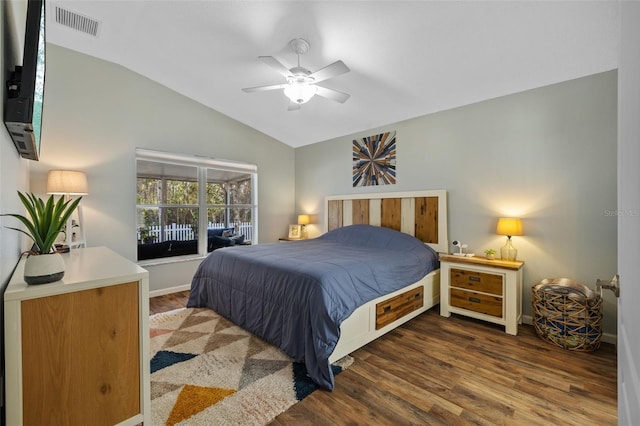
<point x="458" y="371"/>
<point x="168" y="302"/>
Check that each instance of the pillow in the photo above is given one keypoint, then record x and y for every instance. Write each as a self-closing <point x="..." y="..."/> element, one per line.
<point x="217" y="232"/>
<point x="226" y="233"/>
<point x="238" y="239"/>
<point x="375" y="237"/>
<point x="214" y="232"/>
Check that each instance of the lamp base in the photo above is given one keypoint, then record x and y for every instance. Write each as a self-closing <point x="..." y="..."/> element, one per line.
<point x="508" y="251"/>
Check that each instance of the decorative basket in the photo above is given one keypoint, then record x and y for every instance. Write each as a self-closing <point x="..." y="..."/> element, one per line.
<point x="567" y="314"/>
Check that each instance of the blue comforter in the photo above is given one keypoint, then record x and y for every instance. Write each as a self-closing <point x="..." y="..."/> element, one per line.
<point x="296" y="295"/>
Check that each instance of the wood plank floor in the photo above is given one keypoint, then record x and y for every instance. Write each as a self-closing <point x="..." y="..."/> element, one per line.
<point x="458" y="371"/>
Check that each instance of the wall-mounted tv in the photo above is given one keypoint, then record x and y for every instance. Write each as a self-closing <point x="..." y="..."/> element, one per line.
<point x="25" y="88"/>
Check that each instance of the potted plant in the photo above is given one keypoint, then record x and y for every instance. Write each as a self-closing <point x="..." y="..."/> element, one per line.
<point x="145" y="237"/>
<point x="491" y="254"/>
<point x="46" y="220"/>
<point x="143" y="233"/>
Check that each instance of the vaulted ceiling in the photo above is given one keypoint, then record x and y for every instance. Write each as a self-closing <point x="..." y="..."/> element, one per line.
<point x="407" y="59"/>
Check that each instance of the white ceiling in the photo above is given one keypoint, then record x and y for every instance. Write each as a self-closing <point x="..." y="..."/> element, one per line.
<point x="407" y="59"/>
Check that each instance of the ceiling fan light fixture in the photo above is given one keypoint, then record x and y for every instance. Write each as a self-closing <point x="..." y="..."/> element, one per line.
<point x="300" y="86"/>
<point x="300" y="91"/>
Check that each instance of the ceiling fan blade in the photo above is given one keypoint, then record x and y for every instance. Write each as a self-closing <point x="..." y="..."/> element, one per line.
<point x="334" y="95"/>
<point x="264" y="88"/>
<point x="293" y="106"/>
<point x="276" y="65"/>
<point x="329" y="71"/>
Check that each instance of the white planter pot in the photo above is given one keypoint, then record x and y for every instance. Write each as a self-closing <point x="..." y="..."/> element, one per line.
<point x="43" y="268"/>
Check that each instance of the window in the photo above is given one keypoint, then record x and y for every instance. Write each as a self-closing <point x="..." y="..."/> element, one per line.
<point x="181" y="198"/>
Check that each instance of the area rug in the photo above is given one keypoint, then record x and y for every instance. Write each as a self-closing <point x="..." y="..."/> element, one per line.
<point x="205" y="370"/>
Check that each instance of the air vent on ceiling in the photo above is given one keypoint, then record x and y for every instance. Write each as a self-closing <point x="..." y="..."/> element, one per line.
<point x="77" y="21"/>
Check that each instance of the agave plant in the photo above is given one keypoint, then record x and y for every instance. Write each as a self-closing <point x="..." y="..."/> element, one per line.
<point x="47" y="219"/>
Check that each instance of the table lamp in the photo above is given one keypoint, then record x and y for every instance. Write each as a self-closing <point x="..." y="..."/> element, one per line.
<point x="68" y="183"/>
<point x="303" y="220"/>
<point x="509" y="226"/>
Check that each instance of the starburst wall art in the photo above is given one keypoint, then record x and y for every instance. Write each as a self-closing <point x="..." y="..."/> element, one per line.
<point x="374" y="160"/>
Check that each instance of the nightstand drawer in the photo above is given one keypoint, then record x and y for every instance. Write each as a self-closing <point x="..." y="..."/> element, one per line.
<point x="477" y="302"/>
<point x="477" y="281"/>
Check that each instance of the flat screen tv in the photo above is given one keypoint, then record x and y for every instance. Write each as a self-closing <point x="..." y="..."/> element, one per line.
<point x="25" y="89"/>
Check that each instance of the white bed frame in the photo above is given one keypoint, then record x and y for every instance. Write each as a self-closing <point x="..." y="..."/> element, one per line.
<point x="360" y="328"/>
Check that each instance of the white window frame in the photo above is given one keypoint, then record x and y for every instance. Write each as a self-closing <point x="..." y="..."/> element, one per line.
<point x="203" y="164"/>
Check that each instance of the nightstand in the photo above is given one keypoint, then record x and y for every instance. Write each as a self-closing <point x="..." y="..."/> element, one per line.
<point x="489" y="290"/>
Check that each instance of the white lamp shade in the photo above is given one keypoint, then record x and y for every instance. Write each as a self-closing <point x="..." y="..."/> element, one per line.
<point x="66" y="182"/>
<point x="300" y="91"/>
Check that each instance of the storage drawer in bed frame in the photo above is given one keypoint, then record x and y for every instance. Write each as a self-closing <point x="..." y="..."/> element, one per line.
<point x="396" y="307"/>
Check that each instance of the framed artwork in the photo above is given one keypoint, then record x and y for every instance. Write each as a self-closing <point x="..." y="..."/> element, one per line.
<point x="374" y="160"/>
<point x="295" y="231"/>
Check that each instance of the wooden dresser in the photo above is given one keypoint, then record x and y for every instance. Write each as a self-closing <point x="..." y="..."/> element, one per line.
<point x="489" y="290"/>
<point x="77" y="350"/>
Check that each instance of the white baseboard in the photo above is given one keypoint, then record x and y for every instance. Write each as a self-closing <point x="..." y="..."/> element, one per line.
<point x="606" y="337"/>
<point x="163" y="291"/>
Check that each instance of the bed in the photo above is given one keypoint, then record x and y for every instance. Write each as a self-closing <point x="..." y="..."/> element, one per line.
<point x="380" y="277"/>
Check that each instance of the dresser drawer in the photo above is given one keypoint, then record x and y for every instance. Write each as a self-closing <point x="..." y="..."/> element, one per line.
<point x="477" y="302"/>
<point x="477" y="281"/>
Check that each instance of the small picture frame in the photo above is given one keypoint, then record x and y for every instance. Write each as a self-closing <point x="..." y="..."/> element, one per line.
<point x="295" y="231"/>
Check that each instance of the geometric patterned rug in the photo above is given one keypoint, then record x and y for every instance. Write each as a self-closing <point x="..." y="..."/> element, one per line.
<point x="205" y="370"/>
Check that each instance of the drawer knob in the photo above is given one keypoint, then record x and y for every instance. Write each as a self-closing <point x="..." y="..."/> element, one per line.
<point x="476" y="279"/>
<point x="474" y="300"/>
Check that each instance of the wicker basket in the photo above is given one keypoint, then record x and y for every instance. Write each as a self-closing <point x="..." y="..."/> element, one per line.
<point x="567" y="314"/>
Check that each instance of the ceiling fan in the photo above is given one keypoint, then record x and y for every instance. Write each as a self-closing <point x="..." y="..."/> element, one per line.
<point x="301" y="83"/>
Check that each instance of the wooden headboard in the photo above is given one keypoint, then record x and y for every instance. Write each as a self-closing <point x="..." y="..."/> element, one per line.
<point x="422" y="214"/>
